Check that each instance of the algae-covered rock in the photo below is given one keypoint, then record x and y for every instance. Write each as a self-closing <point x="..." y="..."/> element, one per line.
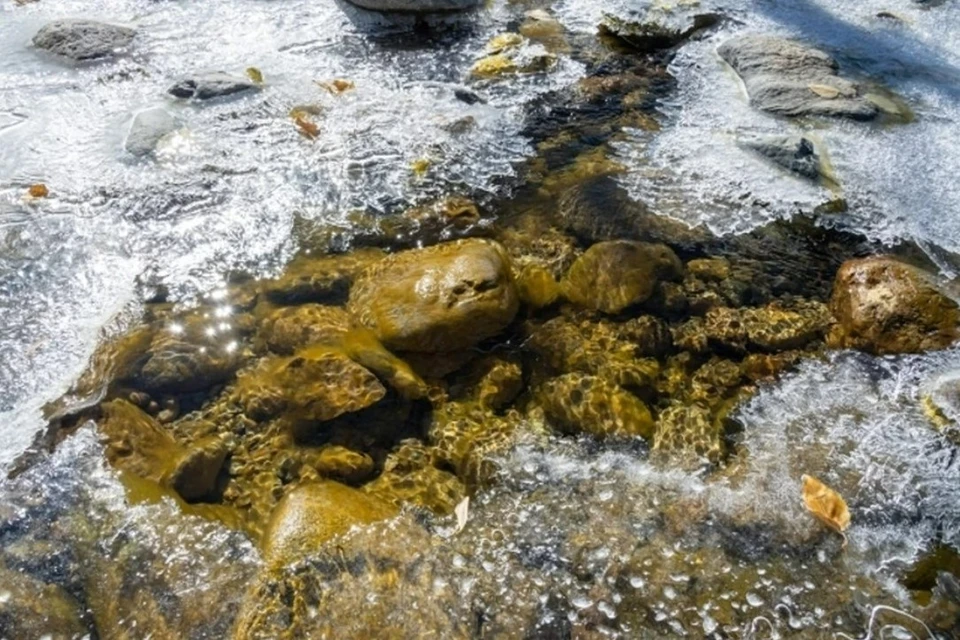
<point x="689" y="431"/>
<point x="537" y="287"/>
<point x="579" y="403"/>
<point x="442" y="298"/>
<point x="338" y="463"/>
<point x="774" y="327"/>
<point x="323" y="279"/>
<point x="30" y="608"/>
<point x="315" y="384"/>
<point x="312" y="514"/>
<point x="510" y="53"/>
<point x="885" y="306"/>
<point x="137" y="443"/>
<point x="410" y="476"/>
<point x="190" y="355"/>
<point x="617" y="274"/>
<point x="493" y="382"/>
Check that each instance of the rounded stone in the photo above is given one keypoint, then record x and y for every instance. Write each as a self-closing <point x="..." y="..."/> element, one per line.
<point x="442" y="298"/>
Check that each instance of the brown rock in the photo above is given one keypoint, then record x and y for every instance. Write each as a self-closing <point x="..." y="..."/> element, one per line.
<point x="885" y="306"/>
<point x="441" y="298"/>
<point x="312" y="514"/>
<point x="579" y="403"/>
<point x="138" y="444"/>
<point x="614" y="275"/>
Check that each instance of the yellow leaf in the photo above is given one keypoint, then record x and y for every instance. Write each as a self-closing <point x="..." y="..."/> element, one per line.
<point x="38" y="190"/>
<point x="307" y="129"/>
<point x="337" y="86"/>
<point x="420" y="167"/>
<point x="824" y="91"/>
<point x="826" y="505"/>
<point x="254" y="74"/>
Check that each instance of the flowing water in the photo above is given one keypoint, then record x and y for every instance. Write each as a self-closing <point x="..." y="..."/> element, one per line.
<point x="576" y="539"/>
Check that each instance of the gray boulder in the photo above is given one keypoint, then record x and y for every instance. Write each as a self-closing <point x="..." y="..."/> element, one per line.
<point x="204" y="86"/>
<point x="83" y="39"/>
<point x="146" y="130"/>
<point x="796" y="154"/>
<point x="658" y="28"/>
<point x="416" y="6"/>
<point x="791" y="79"/>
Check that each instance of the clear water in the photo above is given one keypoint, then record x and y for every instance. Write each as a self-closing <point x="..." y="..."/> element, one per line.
<point x="227" y="189"/>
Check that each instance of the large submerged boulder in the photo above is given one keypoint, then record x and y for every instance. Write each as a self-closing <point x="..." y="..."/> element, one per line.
<point x="885" y="306"/>
<point x="612" y="276"/>
<point x="442" y="298"/>
<point x="788" y="78"/>
<point x="312" y="514"/>
<point x="83" y="39"/>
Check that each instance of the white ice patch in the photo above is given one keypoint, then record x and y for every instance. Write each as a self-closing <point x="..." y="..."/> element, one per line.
<point x="225" y="190"/>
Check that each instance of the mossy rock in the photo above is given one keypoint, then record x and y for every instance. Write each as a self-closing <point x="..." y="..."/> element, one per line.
<point x="313" y="514"/>
<point x="315" y="384"/>
<point x="190" y="354"/>
<point x="582" y="404"/>
<point x="885" y="306"/>
<point x="138" y="444"/>
<point x="411" y="476"/>
<point x="612" y="276"/>
<point x="442" y="298"/>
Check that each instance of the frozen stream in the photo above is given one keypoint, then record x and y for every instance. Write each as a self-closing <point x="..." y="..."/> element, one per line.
<point x="226" y="190"/>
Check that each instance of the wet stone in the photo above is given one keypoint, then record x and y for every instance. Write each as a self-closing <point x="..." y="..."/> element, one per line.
<point x="788" y="78"/>
<point x="611" y="276"/>
<point x="146" y="131"/>
<point x="885" y="306"/>
<point x="205" y="86"/>
<point x="189" y="355"/>
<point x="441" y="298"/>
<point x="83" y="39"/>
<point x="796" y="154"/>
<point x="411" y="476"/>
<point x="416" y="6"/>
<point x="312" y="514"/>
<point x="582" y="404"/>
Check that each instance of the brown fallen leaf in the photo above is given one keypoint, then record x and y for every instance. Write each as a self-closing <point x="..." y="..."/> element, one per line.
<point x="307" y="129"/>
<point x="826" y="505"/>
<point x="38" y="190"/>
<point x="254" y="74"/>
<point x="337" y="86"/>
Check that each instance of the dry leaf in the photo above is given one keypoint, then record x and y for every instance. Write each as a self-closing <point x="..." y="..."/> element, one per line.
<point x="337" y="86"/>
<point x="826" y="505"/>
<point x="462" y="511"/>
<point x="420" y="167"/>
<point x="38" y="190"/>
<point x="254" y="74"/>
<point x="307" y="129"/>
<point x="824" y="91"/>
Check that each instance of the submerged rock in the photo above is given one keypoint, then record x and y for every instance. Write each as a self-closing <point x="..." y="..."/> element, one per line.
<point x="788" y="78"/>
<point x="315" y="384"/>
<point x="312" y="514"/>
<point x="614" y="275"/>
<point x="442" y="298"/>
<point x="83" y="39"/>
<point x="585" y="404"/>
<point x="147" y="129"/>
<point x="187" y="356"/>
<point x="411" y="476"/>
<point x="136" y="443"/>
<point x="885" y="306"/>
<point x="30" y="608"/>
<point x="796" y="154"/>
<point x="204" y="86"/>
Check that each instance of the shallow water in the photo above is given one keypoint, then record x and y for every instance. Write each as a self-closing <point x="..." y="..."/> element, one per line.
<point x="558" y="543"/>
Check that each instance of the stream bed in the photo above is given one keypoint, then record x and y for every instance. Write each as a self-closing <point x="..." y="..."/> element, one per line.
<point x="526" y="321"/>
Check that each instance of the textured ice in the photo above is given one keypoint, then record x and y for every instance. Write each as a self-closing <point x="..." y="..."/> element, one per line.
<point x="898" y="180"/>
<point x="224" y="191"/>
